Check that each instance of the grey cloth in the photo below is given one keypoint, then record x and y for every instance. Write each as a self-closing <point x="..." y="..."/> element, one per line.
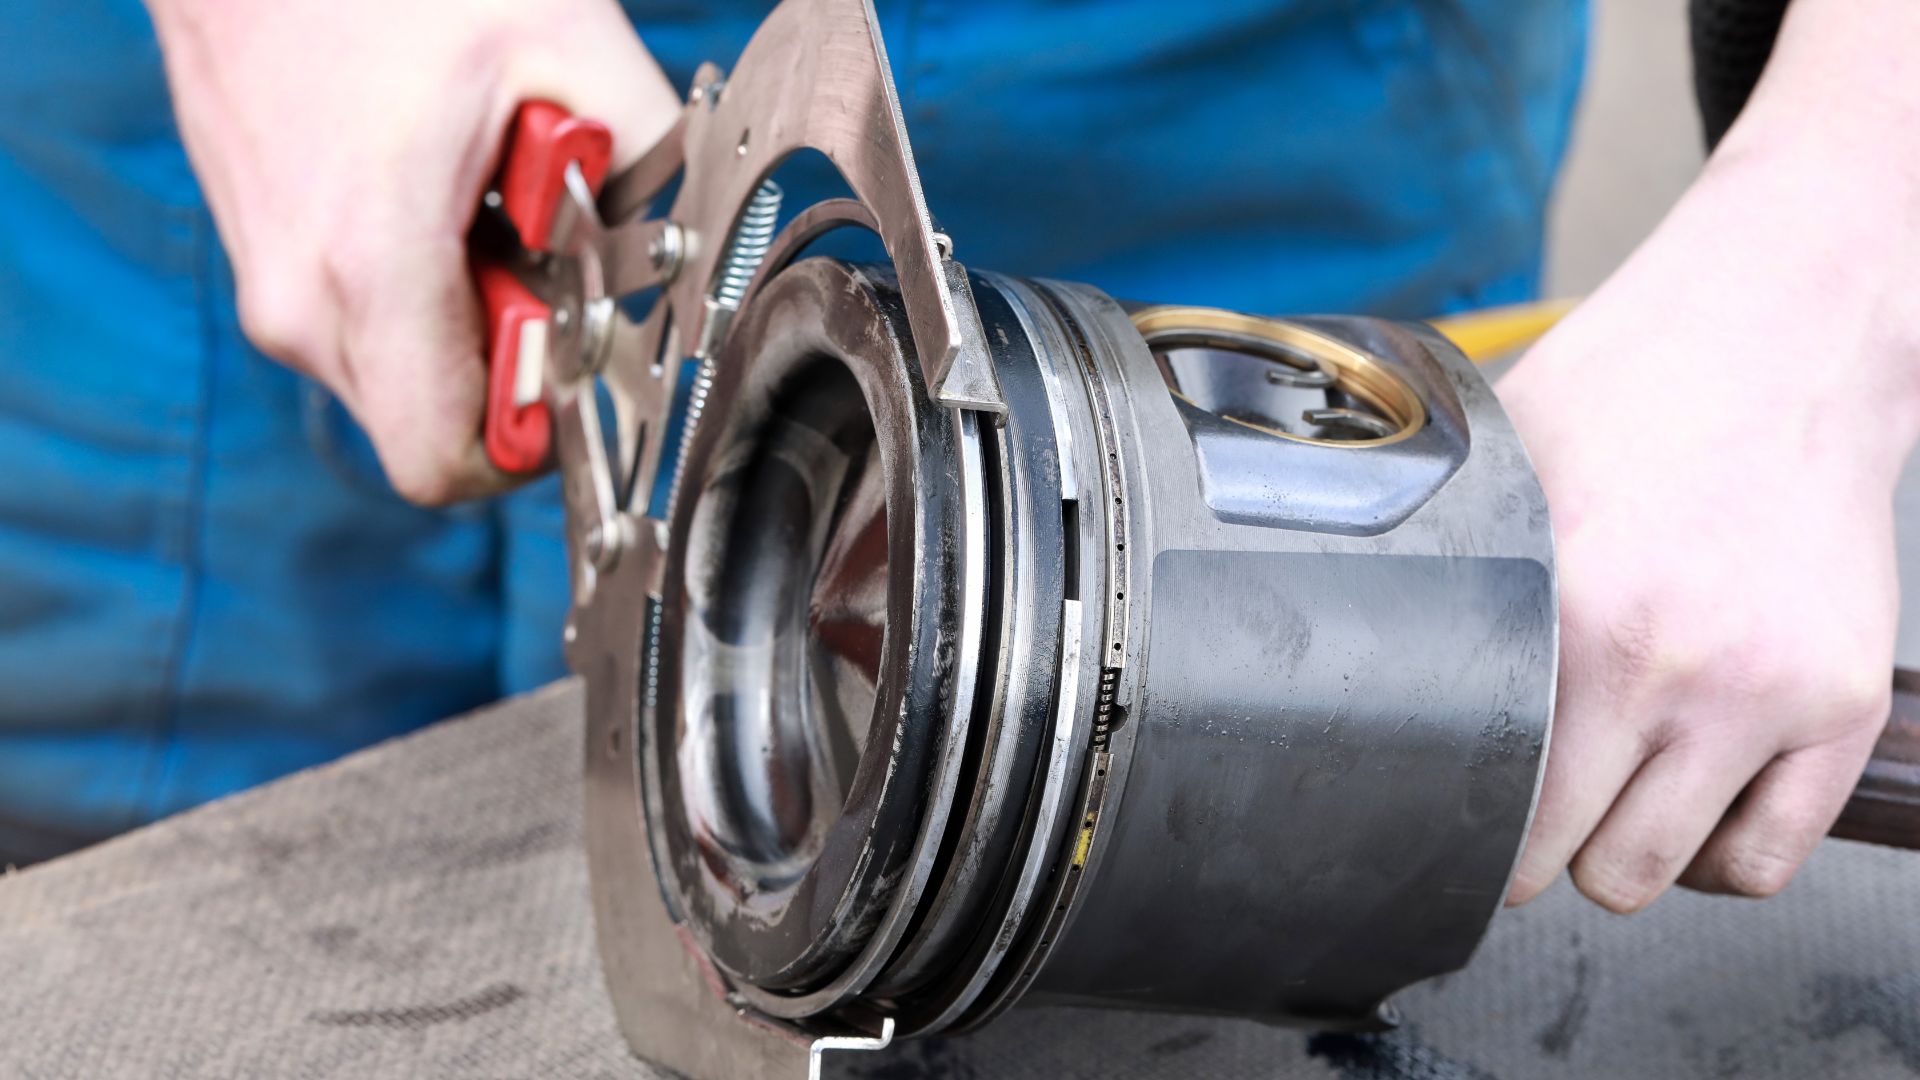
<point x="420" y="910"/>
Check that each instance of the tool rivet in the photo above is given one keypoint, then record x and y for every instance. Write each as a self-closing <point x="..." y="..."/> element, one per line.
<point x="602" y="545"/>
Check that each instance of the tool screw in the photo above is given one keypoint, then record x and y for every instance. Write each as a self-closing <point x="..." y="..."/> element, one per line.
<point x="665" y="250"/>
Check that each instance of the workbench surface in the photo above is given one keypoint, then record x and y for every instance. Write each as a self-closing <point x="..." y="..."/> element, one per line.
<point x="420" y="910"/>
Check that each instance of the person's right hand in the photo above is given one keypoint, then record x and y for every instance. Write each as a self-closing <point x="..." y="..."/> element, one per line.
<point x="343" y="146"/>
<point x="1719" y="430"/>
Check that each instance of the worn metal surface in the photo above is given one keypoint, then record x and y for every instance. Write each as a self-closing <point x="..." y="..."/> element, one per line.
<point x="1328" y="740"/>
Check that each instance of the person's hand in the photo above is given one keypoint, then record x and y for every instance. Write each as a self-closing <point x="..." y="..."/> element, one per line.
<point x="343" y="146"/>
<point x="1719" y="430"/>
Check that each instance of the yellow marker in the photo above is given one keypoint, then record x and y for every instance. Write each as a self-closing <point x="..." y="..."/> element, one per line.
<point x="1496" y="332"/>
<point x="1086" y="844"/>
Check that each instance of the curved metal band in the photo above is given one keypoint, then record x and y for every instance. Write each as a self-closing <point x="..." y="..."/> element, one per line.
<point x="815" y="76"/>
<point x="934" y="626"/>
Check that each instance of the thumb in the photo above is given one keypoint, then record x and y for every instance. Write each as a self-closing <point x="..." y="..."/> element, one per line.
<point x="598" y="68"/>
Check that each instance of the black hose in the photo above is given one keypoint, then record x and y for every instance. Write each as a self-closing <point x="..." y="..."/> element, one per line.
<point x="1731" y="42"/>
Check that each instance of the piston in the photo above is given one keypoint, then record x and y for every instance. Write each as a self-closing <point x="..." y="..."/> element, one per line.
<point x="1215" y="677"/>
<point x="972" y="640"/>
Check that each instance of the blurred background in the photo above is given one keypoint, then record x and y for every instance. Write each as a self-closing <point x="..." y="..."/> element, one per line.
<point x="1636" y="142"/>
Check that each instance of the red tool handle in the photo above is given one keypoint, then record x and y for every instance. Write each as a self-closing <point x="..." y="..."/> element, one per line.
<point x="541" y="142"/>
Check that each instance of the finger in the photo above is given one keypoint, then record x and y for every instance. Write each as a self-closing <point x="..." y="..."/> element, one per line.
<point x="417" y="382"/>
<point x="1776" y="822"/>
<point x="636" y="101"/>
<point x="622" y="88"/>
<point x="1587" y="765"/>
<point x="1660" y="820"/>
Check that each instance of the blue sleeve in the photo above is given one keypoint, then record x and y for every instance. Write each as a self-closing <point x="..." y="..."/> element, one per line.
<point x="534" y="590"/>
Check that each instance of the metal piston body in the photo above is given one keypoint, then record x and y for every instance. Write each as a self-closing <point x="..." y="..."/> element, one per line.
<point x="1123" y="701"/>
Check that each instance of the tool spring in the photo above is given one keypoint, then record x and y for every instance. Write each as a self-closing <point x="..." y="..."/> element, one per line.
<point x="748" y="248"/>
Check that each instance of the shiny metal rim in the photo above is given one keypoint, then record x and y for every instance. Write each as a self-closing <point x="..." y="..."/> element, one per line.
<point x="1029" y="737"/>
<point x="998" y="826"/>
<point x="884" y="845"/>
<point x="1075" y="339"/>
<point x="1353" y="371"/>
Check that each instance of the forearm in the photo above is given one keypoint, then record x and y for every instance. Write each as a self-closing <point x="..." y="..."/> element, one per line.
<point x="540" y="48"/>
<point x="1815" y="191"/>
<point x="1842" y="74"/>
<point x="1795" y="252"/>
